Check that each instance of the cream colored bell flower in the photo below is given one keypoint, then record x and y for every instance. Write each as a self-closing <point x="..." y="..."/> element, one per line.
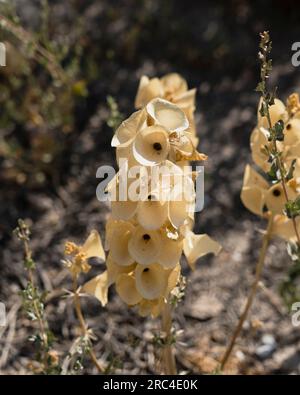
<point x="123" y="210"/>
<point x="148" y="89"/>
<point x="181" y="202"/>
<point x="122" y="206"/>
<point x="171" y="251"/>
<point x="173" y="278"/>
<point x="258" y="142"/>
<point x="196" y="246"/>
<point x="155" y="307"/>
<point x="277" y="111"/>
<point x="254" y="191"/>
<point x="119" y="244"/>
<point x="129" y="128"/>
<point x="177" y="188"/>
<point x="93" y="246"/>
<point x="275" y="198"/>
<point x="292" y="152"/>
<point x="114" y="270"/>
<point x="283" y="227"/>
<point x="125" y="152"/>
<point x="292" y="132"/>
<point x="171" y="87"/>
<point x="151" y="145"/>
<point x="152" y="212"/>
<point x="110" y="226"/>
<point x="176" y="91"/>
<point x="145" y="246"/>
<point x="127" y="290"/>
<point x="151" y="280"/>
<point x="297" y="175"/>
<point x="98" y="287"/>
<point x="164" y="113"/>
<point x="258" y="196"/>
<point x="79" y="255"/>
<point x="179" y="211"/>
<point x="289" y="148"/>
<point x="149" y="307"/>
<point x="174" y="85"/>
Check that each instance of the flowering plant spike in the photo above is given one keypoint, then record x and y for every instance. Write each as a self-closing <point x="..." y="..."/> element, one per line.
<point x="263" y="192"/>
<point x="147" y="234"/>
<point x="272" y="192"/>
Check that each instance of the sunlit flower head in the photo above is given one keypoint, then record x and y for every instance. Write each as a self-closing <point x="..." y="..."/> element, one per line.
<point x="164" y="113"/>
<point x="145" y="246"/>
<point x="129" y="128"/>
<point x="151" y="145"/>
<point x="152" y="212"/>
<point x="127" y="290"/>
<point x="196" y="246"/>
<point x="151" y="280"/>
<point x="119" y="244"/>
<point x="98" y="287"/>
<point x="78" y="255"/>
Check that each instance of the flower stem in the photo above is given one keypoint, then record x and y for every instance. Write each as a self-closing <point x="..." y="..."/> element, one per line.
<point x="251" y="296"/>
<point x="42" y="323"/>
<point x="167" y="352"/>
<point x="83" y="325"/>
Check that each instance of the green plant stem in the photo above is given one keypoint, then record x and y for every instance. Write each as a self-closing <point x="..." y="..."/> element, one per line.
<point x="251" y="296"/>
<point x="167" y="351"/>
<point x="83" y="325"/>
<point x="42" y="325"/>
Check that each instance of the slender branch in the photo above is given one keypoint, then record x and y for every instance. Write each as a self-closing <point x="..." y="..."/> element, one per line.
<point x="167" y="351"/>
<point x="83" y="325"/>
<point x="258" y="272"/>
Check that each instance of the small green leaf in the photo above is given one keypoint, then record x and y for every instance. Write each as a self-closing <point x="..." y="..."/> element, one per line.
<point x="29" y="264"/>
<point x="290" y="173"/>
<point x="292" y="208"/>
<point x="260" y="87"/>
<point x="263" y="109"/>
<point x="278" y="130"/>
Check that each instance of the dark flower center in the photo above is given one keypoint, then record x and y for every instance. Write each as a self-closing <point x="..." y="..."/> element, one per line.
<point x="157" y="146"/>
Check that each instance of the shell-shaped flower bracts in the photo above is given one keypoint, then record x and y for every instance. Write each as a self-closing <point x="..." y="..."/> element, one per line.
<point x="263" y="194"/>
<point x="290" y="145"/>
<point x="173" y="88"/>
<point x="159" y="131"/>
<point x="148" y="233"/>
